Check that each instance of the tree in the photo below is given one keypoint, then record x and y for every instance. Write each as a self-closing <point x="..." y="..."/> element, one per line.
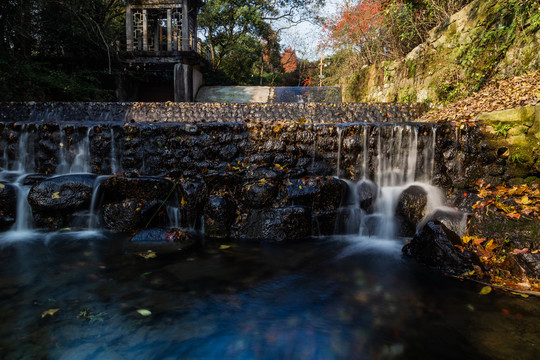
<point x="228" y="24"/>
<point x="289" y="60"/>
<point x="58" y="49"/>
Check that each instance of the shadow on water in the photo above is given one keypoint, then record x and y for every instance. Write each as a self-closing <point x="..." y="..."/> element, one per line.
<point x="335" y="298"/>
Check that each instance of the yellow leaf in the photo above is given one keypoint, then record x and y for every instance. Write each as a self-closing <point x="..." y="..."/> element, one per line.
<point x="148" y="255"/>
<point x="524" y="200"/>
<point x="278" y="128"/>
<point x="2" y="186"/>
<point x="56" y="195"/>
<point x="49" y="312"/>
<point x="466" y="239"/>
<point x="224" y="247"/>
<point x="183" y="202"/>
<point x="485" y="290"/>
<point x="262" y="181"/>
<point x="144" y="312"/>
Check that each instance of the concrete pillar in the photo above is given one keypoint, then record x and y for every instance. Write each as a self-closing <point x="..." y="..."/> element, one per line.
<point x="129" y="29"/>
<point x="188" y="83"/>
<point x="185" y="26"/>
<point x="169" y="30"/>
<point x="179" y="93"/>
<point x="145" y="30"/>
<point x="183" y="83"/>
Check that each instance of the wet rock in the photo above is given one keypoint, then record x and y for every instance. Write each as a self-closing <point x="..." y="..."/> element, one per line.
<point x="278" y="224"/>
<point x="8" y="202"/>
<point x="222" y="180"/>
<point x="160" y="236"/>
<point x="324" y="222"/>
<point x="302" y="192"/>
<point x="192" y="195"/>
<point x="66" y="192"/>
<point x="367" y="192"/>
<point x="219" y="214"/>
<point x="34" y="179"/>
<point x="523" y="266"/>
<point x="454" y="220"/>
<point x="258" y="195"/>
<point x="434" y="246"/>
<point x="119" y="188"/>
<point x="132" y="215"/>
<point x="331" y="191"/>
<point x="51" y="221"/>
<point x="411" y="209"/>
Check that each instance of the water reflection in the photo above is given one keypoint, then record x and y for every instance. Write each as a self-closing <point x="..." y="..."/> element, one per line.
<point x="340" y="298"/>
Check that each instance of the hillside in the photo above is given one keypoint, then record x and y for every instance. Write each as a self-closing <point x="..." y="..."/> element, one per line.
<point x="486" y="40"/>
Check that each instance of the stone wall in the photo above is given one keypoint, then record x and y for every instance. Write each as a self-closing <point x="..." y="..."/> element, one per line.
<point x="269" y="176"/>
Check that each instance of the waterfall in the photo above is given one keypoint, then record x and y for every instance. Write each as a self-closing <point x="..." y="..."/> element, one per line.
<point x="339" y="130"/>
<point x="81" y="162"/>
<point x="93" y="221"/>
<point x="115" y="168"/>
<point x="63" y="166"/>
<point x="369" y="209"/>
<point x="23" y="221"/>
<point x="365" y="153"/>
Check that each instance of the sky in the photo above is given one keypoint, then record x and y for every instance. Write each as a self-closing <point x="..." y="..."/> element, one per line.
<point x="305" y="38"/>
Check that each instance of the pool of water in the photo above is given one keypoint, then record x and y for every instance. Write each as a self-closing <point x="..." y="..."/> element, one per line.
<point x="336" y="298"/>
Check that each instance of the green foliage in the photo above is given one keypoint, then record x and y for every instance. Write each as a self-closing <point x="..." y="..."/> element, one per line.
<point x="407" y="95"/>
<point x="242" y="40"/>
<point x="502" y="129"/>
<point x="59" y="50"/>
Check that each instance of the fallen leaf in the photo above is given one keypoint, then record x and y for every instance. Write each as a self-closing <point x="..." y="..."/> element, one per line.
<point x="55" y="195"/>
<point x="148" y="255"/>
<point x="49" y="312"/>
<point x="144" y="312"/>
<point x="224" y="247"/>
<point x="485" y="290"/>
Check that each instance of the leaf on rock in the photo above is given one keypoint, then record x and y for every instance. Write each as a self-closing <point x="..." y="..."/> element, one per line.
<point x="49" y="312"/>
<point x="55" y="195"/>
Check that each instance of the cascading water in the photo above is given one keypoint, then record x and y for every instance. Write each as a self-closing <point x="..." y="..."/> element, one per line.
<point x="369" y="210"/>
<point x="81" y="162"/>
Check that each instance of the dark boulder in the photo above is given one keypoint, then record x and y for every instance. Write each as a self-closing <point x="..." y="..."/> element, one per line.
<point x="324" y="222"/>
<point x="222" y="180"/>
<point x="132" y="215"/>
<point x="192" y="197"/>
<point x="34" y="179"/>
<point x="258" y="195"/>
<point x="219" y="215"/>
<point x="454" y="220"/>
<point x="367" y="192"/>
<point x="302" y="192"/>
<point x="156" y="236"/>
<point x="434" y="246"/>
<point x="51" y="221"/>
<point x="119" y="188"/>
<point x="8" y="200"/>
<point x="411" y="209"/>
<point x="62" y="193"/>
<point x="331" y="192"/>
<point x="523" y="266"/>
<point x="277" y="224"/>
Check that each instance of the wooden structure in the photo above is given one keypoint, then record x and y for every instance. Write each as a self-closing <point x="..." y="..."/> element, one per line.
<point x="161" y="35"/>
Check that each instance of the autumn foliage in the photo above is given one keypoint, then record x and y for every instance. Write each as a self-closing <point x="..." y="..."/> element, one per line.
<point x="354" y="25"/>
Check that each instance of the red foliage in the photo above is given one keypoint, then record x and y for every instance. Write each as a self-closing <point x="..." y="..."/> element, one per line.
<point x="289" y="61"/>
<point x="355" y="24"/>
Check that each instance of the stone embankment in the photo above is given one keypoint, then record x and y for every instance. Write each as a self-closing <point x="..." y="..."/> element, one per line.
<point x="236" y="171"/>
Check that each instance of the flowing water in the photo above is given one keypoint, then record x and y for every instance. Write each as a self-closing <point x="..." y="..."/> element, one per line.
<point x="91" y="295"/>
<point x="65" y="297"/>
